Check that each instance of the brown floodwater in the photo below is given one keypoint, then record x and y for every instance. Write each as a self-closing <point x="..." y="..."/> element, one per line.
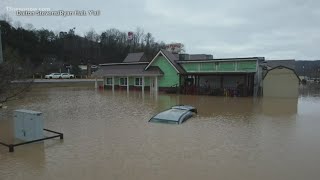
<point x="107" y="136"/>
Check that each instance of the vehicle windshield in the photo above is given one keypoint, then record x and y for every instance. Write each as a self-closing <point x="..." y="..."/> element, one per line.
<point x="156" y="120"/>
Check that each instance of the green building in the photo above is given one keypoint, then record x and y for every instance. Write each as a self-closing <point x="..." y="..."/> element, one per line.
<point x="185" y="73"/>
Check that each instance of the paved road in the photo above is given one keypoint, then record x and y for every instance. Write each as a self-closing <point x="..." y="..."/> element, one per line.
<point x="63" y="80"/>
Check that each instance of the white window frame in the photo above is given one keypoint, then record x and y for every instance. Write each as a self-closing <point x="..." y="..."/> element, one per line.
<point x="126" y="81"/>
<point x="108" y="84"/>
<point x="140" y="81"/>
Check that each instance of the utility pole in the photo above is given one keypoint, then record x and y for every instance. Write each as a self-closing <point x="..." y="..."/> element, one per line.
<point x="1" y="54"/>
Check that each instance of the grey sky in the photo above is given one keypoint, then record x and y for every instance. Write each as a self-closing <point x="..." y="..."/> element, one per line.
<point x="275" y="29"/>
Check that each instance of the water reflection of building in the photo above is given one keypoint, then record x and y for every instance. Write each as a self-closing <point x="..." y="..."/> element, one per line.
<point x="211" y="105"/>
<point x="279" y="106"/>
<point x="224" y="106"/>
<point x="236" y="107"/>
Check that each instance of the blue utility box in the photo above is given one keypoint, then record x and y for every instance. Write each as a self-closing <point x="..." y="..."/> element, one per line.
<point x="28" y="125"/>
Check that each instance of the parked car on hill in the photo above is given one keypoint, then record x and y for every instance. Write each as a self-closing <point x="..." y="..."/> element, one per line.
<point x="53" y="76"/>
<point x="67" y="76"/>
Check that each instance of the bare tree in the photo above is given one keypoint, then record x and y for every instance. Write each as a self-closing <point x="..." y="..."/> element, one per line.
<point x="17" y="24"/>
<point x="13" y="82"/>
<point x="140" y="34"/>
<point x="6" y="17"/>
<point x="29" y="27"/>
<point x="138" y="38"/>
<point x="13" y="76"/>
<point x="182" y="48"/>
<point x="91" y="35"/>
<point x="149" y="39"/>
<point x="176" y="47"/>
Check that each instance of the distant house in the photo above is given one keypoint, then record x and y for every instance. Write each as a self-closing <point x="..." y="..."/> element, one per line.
<point x="304" y="77"/>
<point x="188" y="73"/>
<point x="85" y="71"/>
<point x="282" y="82"/>
<point x="83" y="67"/>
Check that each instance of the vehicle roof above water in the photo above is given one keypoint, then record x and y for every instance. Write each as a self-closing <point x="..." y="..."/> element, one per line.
<point x="175" y="115"/>
<point x="171" y="115"/>
<point x="184" y="107"/>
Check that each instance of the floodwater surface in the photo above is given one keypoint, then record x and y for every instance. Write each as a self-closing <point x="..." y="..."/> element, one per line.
<point x="107" y="136"/>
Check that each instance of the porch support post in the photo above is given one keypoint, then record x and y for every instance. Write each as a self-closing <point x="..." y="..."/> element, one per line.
<point x="156" y="84"/>
<point x="179" y="88"/>
<point x="127" y="84"/>
<point x="142" y="88"/>
<point x="112" y="83"/>
<point x="198" y="84"/>
<point x="104" y="81"/>
<point x="96" y="84"/>
<point x="151" y="84"/>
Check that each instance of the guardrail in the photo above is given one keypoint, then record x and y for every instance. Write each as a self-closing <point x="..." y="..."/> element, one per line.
<point x="12" y="146"/>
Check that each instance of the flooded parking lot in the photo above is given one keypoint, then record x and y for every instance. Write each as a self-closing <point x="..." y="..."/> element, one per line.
<point x="107" y="136"/>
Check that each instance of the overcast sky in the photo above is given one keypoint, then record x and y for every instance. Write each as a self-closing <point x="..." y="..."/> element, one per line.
<point x="275" y="29"/>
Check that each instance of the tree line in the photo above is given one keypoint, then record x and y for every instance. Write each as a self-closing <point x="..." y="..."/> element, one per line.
<point x="43" y="51"/>
<point x="28" y="51"/>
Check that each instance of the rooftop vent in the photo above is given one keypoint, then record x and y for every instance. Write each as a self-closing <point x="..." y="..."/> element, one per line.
<point x="209" y="56"/>
<point x="184" y="57"/>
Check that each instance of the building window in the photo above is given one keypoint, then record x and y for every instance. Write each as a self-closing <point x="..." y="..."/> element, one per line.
<point x="109" y="81"/>
<point x="138" y="81"/>
<point x="123" y="81"/>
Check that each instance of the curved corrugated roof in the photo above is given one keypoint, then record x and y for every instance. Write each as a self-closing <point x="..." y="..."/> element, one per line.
<point x="286" y="63"/>
<point x="281" y="67"/>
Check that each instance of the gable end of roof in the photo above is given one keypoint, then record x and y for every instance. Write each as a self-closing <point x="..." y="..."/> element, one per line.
<point x="170" y="59"/>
